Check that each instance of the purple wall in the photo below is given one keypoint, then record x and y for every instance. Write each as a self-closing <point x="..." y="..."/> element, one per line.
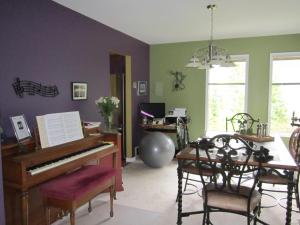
<point x="48" y="43"/>
<point x="45" y="42"/>
<point x="2" y="219"/>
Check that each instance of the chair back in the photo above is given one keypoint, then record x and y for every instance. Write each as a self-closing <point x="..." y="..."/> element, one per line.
<point x="241" y="122"/>
<point x="227" y="157"/>
<point x="295" y="121"/>
<point x="294" y="145"/>
<point x="182" y="134"/>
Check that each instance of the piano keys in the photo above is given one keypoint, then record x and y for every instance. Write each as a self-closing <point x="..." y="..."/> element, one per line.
<point x="23" y="172"/>
<point x="67" y="159"/>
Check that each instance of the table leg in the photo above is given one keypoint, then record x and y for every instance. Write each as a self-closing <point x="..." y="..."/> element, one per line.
<point x="24" y="205"/>
<point x="289" y="198"/>
<point x="179" y="202"/>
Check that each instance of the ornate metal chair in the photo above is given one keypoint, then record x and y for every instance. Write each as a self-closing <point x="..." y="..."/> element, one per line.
<point x="189" y="167"/>
<point x="183" y="140"/>
<point x="242" y="123"/>
<point x="182" y="134"/>
<point x="294" y="147"/>
<point x="295" y="121"/>
<point x="227" y="156"/>
<point x="277" y="177"/>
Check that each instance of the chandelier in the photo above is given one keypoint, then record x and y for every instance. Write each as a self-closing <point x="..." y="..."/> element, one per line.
<point x="206" y="58"/>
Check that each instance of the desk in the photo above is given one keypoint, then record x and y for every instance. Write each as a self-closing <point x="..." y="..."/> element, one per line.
<point x="282" y="160"/>
<point x="170" y="128"/>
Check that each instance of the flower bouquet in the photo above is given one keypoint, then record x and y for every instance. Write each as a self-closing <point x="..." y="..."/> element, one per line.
<point x="107" y="106"/>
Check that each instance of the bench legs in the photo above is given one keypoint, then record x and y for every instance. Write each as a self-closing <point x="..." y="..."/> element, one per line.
<point x="111" y="197"/>
<point x="72" y="217"/>
<point x="47" y="211"/>
<point x="90" y="206"/>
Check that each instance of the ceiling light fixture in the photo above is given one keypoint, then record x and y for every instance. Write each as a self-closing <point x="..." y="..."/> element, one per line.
<point x="206" y="58"/>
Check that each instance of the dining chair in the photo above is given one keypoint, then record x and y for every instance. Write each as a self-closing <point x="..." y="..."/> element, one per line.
<point x="241" y="122"/>
<point x="182" y="133"/>
<point x="182" y="136"/>
<point x="188" y="167"/>
<point x="227" y="156"/>
<point x="280" y="177"/>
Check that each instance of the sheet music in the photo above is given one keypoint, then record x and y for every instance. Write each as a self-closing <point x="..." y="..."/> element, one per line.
<point x="59" y="128"/>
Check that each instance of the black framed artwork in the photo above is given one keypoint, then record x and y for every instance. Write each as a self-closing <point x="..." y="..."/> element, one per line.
<point x="79" y="91"/>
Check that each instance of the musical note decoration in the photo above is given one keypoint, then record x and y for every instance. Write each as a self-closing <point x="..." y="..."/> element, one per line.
<point x="33" y="88"/>
<point x="178" y="80"/>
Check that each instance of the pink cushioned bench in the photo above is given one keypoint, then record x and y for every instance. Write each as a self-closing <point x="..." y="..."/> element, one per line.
<point x="70" y="191"/>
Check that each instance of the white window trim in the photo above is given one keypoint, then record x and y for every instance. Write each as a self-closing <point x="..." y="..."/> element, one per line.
<point x="244" y="58"/>
<point x="272" y="56"/>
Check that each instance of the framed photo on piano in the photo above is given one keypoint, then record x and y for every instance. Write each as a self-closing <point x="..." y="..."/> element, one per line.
<point x="20" y="127"/>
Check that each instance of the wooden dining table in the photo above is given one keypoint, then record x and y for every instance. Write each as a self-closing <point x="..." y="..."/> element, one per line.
<point x="282" y="159"/>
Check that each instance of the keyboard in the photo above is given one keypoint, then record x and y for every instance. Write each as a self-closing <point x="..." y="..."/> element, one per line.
<point x="66" y="159"/>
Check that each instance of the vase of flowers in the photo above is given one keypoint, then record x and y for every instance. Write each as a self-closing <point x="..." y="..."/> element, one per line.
<point x="107" y="106"/>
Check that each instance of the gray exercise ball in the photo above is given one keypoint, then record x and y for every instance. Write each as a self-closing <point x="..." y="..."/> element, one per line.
<point x="157" y="149"/>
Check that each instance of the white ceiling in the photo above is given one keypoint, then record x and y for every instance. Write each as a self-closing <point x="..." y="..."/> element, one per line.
<point x="168" y="21"/>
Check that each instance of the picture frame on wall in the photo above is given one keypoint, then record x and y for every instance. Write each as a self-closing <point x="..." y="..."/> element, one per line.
<point x="142" y="88"/>
<point x="20" y="127"/>
<point x="79" y="91"/>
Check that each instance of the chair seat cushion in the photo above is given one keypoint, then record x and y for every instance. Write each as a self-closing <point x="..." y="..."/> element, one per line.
<point x="226" y="199"/>
<point x="273" y="179"/>
<point x="76" y="184"/>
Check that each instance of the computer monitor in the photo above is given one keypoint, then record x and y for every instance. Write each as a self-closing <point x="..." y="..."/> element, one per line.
<point x="155" y="109"/>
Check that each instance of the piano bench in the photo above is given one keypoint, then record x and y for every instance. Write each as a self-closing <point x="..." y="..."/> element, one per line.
<point x="70" y="191"/>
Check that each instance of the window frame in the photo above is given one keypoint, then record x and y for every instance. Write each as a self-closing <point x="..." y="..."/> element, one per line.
<point x="272" y="57"/>
<point x="242" y="57"/>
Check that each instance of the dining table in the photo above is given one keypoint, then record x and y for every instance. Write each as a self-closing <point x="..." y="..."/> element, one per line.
<point x="282" y="160"/>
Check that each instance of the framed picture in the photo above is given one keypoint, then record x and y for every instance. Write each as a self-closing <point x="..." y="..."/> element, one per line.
<point x="142" y="88"/>
<point x="21" y="128"/>
<point x="79" y="91"/>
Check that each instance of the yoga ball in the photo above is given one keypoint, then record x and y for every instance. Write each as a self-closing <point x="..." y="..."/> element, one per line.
<point x="156" y="149"/>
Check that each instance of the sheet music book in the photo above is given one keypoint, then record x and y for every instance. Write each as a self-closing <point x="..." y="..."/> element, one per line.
<point x="59" y="128"/>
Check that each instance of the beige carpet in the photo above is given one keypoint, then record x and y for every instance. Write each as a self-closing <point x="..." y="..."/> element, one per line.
<point x="149" y="198"/>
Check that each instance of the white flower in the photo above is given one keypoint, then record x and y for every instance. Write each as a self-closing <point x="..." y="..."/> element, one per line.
<point x="115" y="101"/>
<point x="107" y="105"/>
<point x="98" y="101"/>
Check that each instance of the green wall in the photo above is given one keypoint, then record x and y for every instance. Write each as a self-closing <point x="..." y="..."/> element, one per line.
<point x="166" y="57"/>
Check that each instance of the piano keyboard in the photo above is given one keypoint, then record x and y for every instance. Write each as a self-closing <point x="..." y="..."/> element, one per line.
<point x="66" y="159"/>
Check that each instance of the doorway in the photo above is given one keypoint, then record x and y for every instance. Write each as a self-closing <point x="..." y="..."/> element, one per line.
<point x="120" y="83"/>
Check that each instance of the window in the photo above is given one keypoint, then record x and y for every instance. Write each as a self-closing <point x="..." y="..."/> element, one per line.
<point x="226" y="93"/>
<point x="285" y="91"/>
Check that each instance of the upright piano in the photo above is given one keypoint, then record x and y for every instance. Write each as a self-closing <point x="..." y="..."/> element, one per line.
<point x="25" y="168"/>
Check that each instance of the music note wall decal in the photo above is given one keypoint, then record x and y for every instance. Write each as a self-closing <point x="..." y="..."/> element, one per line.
<point x="33" y="88"/>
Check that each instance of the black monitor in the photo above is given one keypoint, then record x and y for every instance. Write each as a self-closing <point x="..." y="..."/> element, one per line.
<point x="155" y="109"/>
